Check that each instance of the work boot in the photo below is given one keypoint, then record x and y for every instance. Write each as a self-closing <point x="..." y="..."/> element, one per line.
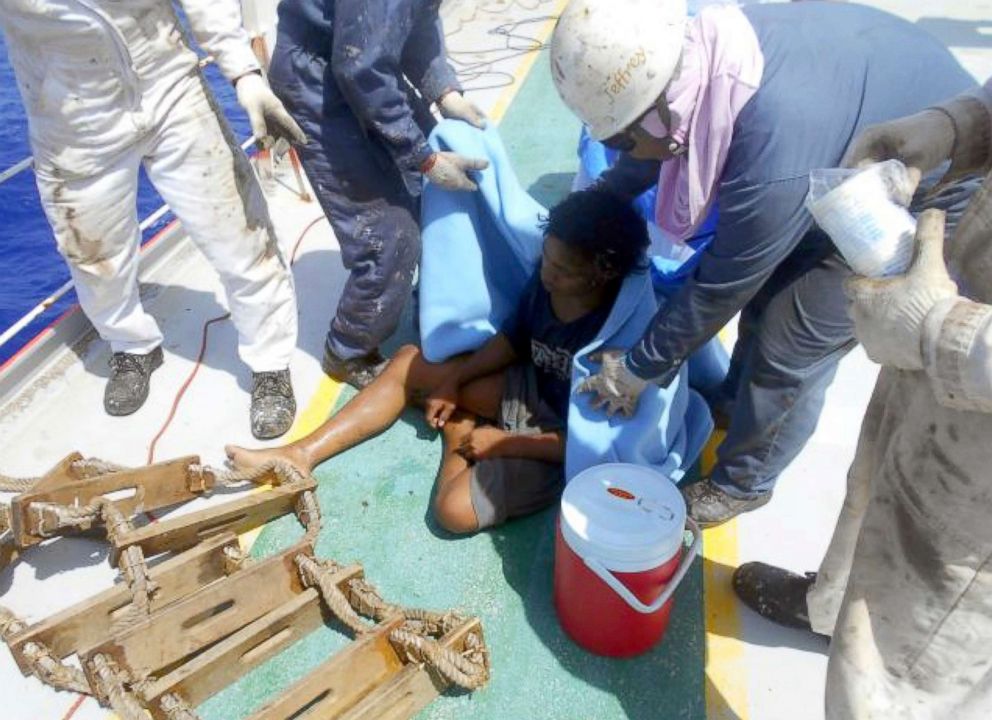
<point x="358" y="372"/>
<point x="709" y="506"/>
<point x="775" y="593"/>
<point x="273" y="405"/>
<point x="127" y="388"/>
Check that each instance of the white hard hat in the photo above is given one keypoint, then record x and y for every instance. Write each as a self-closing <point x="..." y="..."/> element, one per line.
<point x="612" y="59"/>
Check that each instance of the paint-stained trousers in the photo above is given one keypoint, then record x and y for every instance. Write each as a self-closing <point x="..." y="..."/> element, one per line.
<point x="374" y="215"/>
<point x="211" y="188"/>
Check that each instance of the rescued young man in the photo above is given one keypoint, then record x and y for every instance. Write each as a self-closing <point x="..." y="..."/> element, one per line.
<point x="502" y="409"/>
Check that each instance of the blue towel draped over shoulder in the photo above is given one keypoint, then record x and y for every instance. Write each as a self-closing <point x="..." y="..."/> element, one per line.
<point x="479" y="250"/>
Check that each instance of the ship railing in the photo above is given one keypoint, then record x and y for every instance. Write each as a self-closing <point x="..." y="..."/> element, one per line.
<point x="39" y="309"/>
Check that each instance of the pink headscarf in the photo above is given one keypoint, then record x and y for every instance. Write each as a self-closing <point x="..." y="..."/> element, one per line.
<point x="721" y="70"/>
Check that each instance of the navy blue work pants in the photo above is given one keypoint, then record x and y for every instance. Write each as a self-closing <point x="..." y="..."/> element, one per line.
<point x="374" y="216"/>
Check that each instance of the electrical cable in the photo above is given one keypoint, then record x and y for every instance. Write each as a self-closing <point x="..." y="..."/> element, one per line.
<point x="203" y="350"/>
<point x="515" y="44"/>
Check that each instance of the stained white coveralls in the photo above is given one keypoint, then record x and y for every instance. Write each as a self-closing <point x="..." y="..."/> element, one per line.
<point x="906" y="586"/>
<point x="109" y="86"/>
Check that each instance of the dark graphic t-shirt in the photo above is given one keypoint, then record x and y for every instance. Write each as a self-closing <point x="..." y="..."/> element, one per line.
<point x="542" y="340"/>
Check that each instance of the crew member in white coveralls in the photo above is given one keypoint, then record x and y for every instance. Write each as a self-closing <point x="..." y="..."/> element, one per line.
<point x="111" y="86"/>
<point x="905" y="590"/>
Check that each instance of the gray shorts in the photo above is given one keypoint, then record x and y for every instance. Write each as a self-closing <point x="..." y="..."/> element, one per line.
<point x="504" y="488"/>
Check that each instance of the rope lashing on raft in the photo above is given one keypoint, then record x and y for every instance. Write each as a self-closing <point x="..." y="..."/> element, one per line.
<point x="43" y="662"/>
<point x="417" y="638"/>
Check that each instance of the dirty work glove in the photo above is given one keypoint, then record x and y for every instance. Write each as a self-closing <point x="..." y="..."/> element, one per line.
<point x="616" y="388"/>
<point x="921" y="142"/>
<point x="450" y="170"/>
<point x="890" y="313"/>
<point x="267" y="116"/>
<point x="456" y="106"/>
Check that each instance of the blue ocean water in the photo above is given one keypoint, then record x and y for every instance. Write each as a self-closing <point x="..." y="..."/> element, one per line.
<point x="30" y="266"/>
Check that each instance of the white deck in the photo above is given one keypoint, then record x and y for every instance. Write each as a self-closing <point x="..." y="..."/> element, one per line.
<point x="769" y="673"/>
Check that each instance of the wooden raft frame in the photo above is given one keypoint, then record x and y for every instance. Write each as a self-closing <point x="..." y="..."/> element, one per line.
<point x="212" y="617"/>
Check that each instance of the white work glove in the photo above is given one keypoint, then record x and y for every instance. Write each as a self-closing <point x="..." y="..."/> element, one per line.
<point x="616" y="388"/>
<point x="455" y="106"/>
<point x="921" y="142"/>
<point x="450" y="170"/>
<point x="266" y="114"/>
<point x="890" y="313"/>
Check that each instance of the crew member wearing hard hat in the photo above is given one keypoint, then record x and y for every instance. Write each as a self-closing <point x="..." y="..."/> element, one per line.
<point x="739" y="104"/>
<point x="110" y="87"/>
<point x="359" y="76"/>
<point x="906" y="586"/>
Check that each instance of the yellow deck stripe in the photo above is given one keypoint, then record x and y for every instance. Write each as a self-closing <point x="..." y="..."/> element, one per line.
<point x="726" y="671"/>
<point x="502" y="103"/>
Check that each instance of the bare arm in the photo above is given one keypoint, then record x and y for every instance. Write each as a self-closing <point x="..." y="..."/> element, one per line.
<point x="492" y="357"/>
<point x="485" y="443"/>
<point x="216" y="25"/>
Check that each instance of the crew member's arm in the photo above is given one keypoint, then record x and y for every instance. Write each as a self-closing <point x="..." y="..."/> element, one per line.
<point x="959" y="130"/>
<point x="919" y="321"/>
<point x="369" y="38"/>
<point x="425" y="60"/>
<point x="629" y="177"/>
<point x="217" y="28"/>
<point x="759" y="226"/>
<point x="485" y="443"/>
<point x="216" y="25"/>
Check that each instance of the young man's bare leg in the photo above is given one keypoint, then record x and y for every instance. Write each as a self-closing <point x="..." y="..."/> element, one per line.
<point x="453" y="507"/>
<point x="408" y="376"/>
<point x="370" y="412"/>
<point x="452" y="496"/>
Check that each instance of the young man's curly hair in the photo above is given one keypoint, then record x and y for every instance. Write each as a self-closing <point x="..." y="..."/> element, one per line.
<point x="604" y="228"/>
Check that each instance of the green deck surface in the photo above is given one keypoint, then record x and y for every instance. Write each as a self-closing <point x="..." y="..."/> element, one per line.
<point x="375" y="500"/>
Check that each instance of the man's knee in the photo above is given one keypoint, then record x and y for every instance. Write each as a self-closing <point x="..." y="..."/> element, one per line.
<point x="455" y="514"/>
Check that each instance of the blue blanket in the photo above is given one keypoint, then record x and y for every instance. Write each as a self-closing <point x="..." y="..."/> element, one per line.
<point x="479" y="249"/>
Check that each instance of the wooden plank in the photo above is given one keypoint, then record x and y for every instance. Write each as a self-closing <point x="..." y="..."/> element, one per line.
<point x="198" y="620"/>
<point x="62" y="474"/>
<point x="237" y="516"/>
<point x="88" y="623"/>
<point x="219" y="666"/>
<point x="409" y="691"/>
<point x="340" y="682"/>
<point x="132" y="491"/>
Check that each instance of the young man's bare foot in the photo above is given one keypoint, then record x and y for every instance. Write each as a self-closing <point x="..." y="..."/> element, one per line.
<point x="245" y="459"/>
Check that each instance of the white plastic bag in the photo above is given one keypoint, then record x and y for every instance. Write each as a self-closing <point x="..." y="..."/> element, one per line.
<point x="863" y="213"/>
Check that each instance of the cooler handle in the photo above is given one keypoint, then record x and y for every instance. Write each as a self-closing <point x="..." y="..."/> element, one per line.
<point x="620" y="589"/>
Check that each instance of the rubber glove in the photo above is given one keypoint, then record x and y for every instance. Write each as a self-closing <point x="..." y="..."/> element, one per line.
<point x="921" y="142"/>
<point x="450" y="170"/>
<point x="890" y="313"/>
<point x="616" y="388"/>
<point x="266" y="114"/>
<point x="456" y="106"/>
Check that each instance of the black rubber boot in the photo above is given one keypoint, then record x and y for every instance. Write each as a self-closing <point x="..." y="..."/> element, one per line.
<point x="358" y="372"/>
<point x="775" y="593"/>
<point x="709" y="506"/>
<point x="127" y="388"/>
<point x="273" y="406"/>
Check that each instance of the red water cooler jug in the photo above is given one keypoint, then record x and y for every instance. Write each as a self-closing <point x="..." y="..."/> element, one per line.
<point x="619" y="557"/>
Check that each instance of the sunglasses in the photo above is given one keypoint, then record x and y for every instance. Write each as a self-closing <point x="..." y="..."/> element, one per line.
<point x="626" y="140"/>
